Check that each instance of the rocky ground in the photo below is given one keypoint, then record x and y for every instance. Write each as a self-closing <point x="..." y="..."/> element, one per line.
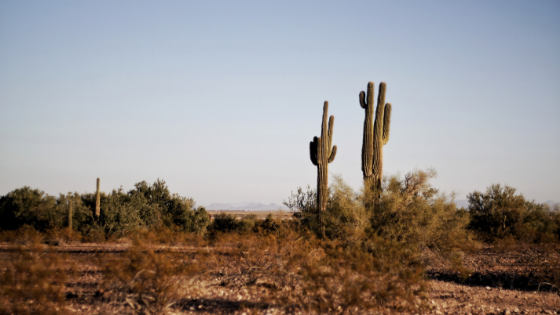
<point x="495" y="281"/>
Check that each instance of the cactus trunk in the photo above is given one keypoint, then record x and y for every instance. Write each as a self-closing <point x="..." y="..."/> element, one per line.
<point x="69" y="214"/>
<point x="322" y="153"/>
<point x="376" y="134"/>
<point x="97" y="202"/>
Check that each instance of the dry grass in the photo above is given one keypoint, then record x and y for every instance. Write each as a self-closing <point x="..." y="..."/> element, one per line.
<point x="148" y="280"/>
<point x="283" y="271"/>
<point x="301" y="272"/>
<point x="33" y="281"/>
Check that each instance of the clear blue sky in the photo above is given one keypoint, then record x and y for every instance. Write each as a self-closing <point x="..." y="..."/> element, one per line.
<point x="221" y="98"/>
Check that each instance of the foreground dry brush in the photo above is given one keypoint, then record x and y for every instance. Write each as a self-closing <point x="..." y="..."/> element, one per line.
<point x="33" y="279"/>
<point x="284" y="270"/>
<point x="278" y="271"/>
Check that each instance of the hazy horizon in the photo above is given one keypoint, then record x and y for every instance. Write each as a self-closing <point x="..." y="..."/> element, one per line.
<point x="221" y="99"/>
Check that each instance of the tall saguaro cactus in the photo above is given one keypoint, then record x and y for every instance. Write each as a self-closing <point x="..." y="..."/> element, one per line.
<point x="97" y="202"/>
<point x="322" y="153"/>
<point x="376" y="134"/>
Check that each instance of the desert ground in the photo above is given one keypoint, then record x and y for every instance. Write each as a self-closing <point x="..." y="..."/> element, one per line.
<point x="499" y="279"/>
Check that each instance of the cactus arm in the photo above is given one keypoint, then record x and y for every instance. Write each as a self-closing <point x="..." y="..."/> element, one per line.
<point x="380" y="101"/>
<point x="324" y="130"/>
<point x="333" y="153"/>
<point x="378" y="125"/>
<point x="313" y="151"/>
<point x="386" y="123"/>
<point x="363" y="99"/>
<point x="370" y="92"/>
<point x="319" y="151"/>
<point x="330" y="132"/>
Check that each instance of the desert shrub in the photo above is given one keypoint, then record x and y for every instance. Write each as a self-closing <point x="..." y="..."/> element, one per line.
<point x="25" y="235"/>
<point x="407" y="210"/>
<point x="122" y="213"/>
<point x="150" y="282"/>
<point x="170" y="209"/>
<point x="255" y="260"/>
<point x="224" y="223"/>
<point x="82" y="214"/>
<point x="411" y="211"/>
<point x="32" y="207"/>
<point x="500" y="213"/>
<point x="270" y="224"/>
<point x="323" y="276"/>
<point x="550" y="274"/>
<point x="247" y="224"/>
<point x="173" y="209"/>
<point x="33" y="281"/>
<point x="142" y="207"/>
<point x="345" y="213"/>
<point x="201" y="221"/>
<point x="541" y="224"/>
<point x="304" y="208"/>
<point x="376" y="274"/>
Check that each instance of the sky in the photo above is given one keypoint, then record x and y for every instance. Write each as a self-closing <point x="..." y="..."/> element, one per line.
<point x="221" y="98"/>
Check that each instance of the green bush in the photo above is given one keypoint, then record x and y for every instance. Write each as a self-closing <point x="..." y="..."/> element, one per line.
<point x="406" y="210"/>
<point x="346" y="214"/>
<point x="500" y="213"/>
<point x="31" y="207"/>
<point x="121" y="213"/>
<point x="224" y="223"/>
<point x="410" y="210"/>
<point x="144" y="206"/>
<point x="248" y="223"/>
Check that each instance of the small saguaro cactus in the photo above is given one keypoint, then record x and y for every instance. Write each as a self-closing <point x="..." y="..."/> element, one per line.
<point x="376" y="135"/>
<point x="97" y="202"/>
<point x="322" y="153"/>
<point x="69" y="214"/>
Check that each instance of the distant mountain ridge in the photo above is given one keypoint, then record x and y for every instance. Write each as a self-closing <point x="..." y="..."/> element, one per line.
<point x="253" y="206"/>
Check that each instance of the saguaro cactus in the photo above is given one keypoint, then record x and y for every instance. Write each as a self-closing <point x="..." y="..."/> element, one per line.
<point x="69" y="214"/>
<point x="97" y="202"/>
<point x="322" y="153"/>
<point x="376" y="135"/>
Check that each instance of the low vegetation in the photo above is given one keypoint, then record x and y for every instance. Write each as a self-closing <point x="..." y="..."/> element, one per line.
<point x="499" y="213"/>
<point x="146" y="206"/>
<point x="379" y="247"/>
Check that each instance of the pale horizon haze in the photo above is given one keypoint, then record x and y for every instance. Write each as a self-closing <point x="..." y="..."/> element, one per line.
<point x="221" y="98"/>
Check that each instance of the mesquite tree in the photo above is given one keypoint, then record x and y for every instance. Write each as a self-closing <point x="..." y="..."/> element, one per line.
<point x="376" y="135"/>
<point x="322" y="153"/>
